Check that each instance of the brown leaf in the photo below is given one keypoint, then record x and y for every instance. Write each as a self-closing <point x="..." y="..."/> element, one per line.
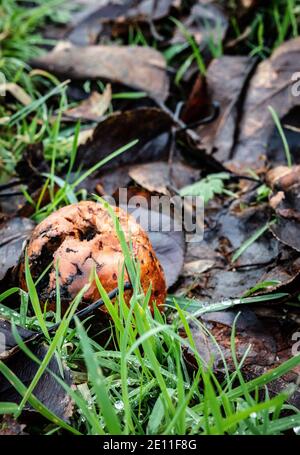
<point x="94" y="107"/>
<point x="169" y="247"/>
<point x="283" y="177"/>
<point x="17" y="92"/>
<point x="141" y="68"/>
<point x="11" y="427"/>
<point x="206" y="22"/>
<point x="108" y="182"/>
<point x="197" y="267"/>
<point x="13" y="234"/>
<point x="264" y="260"/>
<point x="198" y="102"/>
<point x="8" y="345"/>
<point x="271" y="85"/>
<point x="120" y="128"/>
<point x="110" y="16"/>
<point x="159" y="176"/>
<point x="285" y="182"/>
<point x="165" y="232"/>
<point x="287" y="209"/>
<point x="32" y="165"/>
<point x="249" y="331"/>
<point x="227" y="91"/>
<point x="48" y="390"/>
<point x="291" y="128"/>
<point x="270" y="343"/>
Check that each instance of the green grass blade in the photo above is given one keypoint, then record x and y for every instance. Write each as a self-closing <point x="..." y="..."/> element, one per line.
<point x="96" y="377"/>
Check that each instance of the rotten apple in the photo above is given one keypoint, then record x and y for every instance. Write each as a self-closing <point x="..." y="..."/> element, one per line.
<point x="80" y="238"/>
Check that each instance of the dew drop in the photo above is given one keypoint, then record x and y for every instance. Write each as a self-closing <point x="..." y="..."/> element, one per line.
<point x="119" y="405"/>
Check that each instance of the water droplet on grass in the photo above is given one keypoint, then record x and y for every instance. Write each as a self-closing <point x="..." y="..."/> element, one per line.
<point x="297" y="430"/>
<point x="119" y="405"/>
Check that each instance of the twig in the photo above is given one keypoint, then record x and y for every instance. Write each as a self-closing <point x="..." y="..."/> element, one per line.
<point x="84" y="312"/>
<point x="210" y="118"/>
<point x="10" y="184"/>
<point x="16" y="193"/>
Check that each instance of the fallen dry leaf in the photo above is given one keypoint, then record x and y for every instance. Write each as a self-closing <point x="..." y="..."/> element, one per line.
<point x="144" y="124"/>
<point x="198" y="104"/>
<point x="141" y="68"/>
<point x="226" y="90"/>
<point x="285" y="182"/>
<point x="11" y="346"/>
<point x="13" y="234"/>
<point x="93" y="108"/>
<point x="32" y="165"/>
<point x="270" y="345"/>
<point x="17" y="92"/>
<point x="264" y="260"/>
<point x="197" y="267"/>
<point x="48" y="391"/>
<point x="168" y="243"/>
<point x="250" y="330"/>
<point x="110" y="16"/>
<point x="206" y="22"/>
<point x="283" y="177"/>
<point x="11" y="427"/>
<point x="287" y="209"/>
<point x="271" y="85"/>
<point x="160" y="176"/>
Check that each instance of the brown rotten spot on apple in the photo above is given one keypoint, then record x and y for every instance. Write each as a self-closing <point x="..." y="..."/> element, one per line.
<point x="80" y="238"/>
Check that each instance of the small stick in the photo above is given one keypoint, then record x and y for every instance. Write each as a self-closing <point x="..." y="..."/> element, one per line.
<point x="82" y="313"/>
<point x="92" y="307"/>
<point x="10" y="184"/>
<point x="16" y="193"/>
